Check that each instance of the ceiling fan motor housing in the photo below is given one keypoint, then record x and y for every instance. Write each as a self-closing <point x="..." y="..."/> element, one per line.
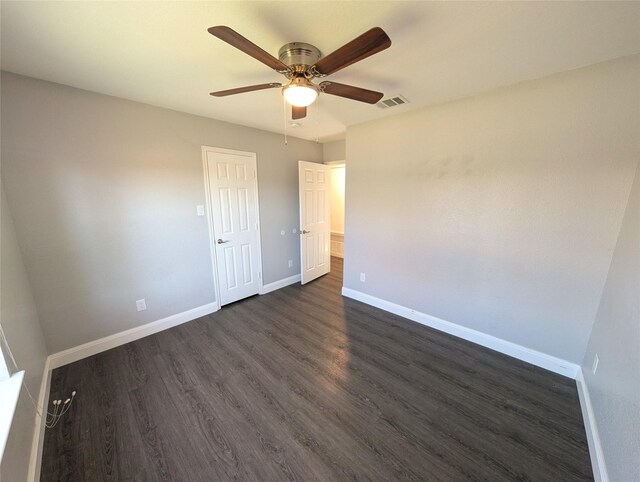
<point x="299" y="55"/>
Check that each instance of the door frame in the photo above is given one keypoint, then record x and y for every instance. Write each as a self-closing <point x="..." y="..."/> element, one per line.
<point x="210" y="225"/>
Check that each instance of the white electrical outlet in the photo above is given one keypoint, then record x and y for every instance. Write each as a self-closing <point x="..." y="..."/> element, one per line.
<point x="290" y="263"/>
<point x="596" y="360"/>
<point x="200" y="210"/>
<point x="141" y="305"/>
<point x="363" y="277"/>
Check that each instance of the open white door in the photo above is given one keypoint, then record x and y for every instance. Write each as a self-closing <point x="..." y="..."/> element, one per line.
<point x="234" y="222"/>
<point x="315" y="225"/>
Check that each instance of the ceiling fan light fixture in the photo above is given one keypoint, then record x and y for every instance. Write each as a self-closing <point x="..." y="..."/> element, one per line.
<point x="300" y="92"/>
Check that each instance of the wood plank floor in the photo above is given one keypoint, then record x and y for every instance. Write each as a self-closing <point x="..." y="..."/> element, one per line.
<point x="302" y="384"/>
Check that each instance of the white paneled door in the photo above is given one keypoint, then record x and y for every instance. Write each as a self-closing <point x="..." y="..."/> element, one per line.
<point x="315" y="224"/>
<point x="233" y="209"/>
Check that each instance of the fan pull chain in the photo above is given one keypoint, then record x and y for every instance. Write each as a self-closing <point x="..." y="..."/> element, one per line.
<point x="284" y="111"/>
<point x="318" y="117"/>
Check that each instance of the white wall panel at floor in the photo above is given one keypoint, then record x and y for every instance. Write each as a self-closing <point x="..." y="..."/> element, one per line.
<point x="498" y="212"/>
<point x="19" y="320"/>
<point x="104" y="194"/>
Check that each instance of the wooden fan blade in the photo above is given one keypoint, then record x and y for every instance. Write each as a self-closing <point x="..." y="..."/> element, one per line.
<point x="236" y="40"/>
<point x="351" y="92"/>
<point x="241" y="90"/>
<point x="360" y="48"/>
<point x="298" y="112"/>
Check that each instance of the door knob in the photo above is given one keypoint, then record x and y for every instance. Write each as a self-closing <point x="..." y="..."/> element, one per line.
<point x="304" y="232"/>
<point x="222" y="241"/>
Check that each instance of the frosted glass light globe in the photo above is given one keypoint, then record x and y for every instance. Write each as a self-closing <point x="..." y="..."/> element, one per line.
<point x="300" y="92"/>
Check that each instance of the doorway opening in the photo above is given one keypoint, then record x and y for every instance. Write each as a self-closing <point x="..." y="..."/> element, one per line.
<point x="337" y="209"/>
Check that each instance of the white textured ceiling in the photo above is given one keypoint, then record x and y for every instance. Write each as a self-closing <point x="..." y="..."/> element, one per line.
<point x="160" y="52"/>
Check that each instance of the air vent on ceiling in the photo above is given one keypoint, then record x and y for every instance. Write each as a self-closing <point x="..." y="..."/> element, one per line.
<point x="392" y="101"/>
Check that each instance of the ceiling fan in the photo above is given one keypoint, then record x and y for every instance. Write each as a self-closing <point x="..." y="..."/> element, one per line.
<point x="300" y="63"/>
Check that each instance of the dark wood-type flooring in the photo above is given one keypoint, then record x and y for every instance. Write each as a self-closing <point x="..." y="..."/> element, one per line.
<point x="302" y="384"/>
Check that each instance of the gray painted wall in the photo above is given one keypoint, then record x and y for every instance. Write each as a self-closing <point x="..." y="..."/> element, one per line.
<point x="615" y="388"/>
<point x="500" y="212"/>
<point x="19" y="319"/>
<point x="334" y="151"/>
<point x="104" y="192"/>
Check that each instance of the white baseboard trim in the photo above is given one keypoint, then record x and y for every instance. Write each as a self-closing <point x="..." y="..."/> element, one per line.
<point x="276" y="285"/>
<point x="548" y="362"/>
<point x="35" y="460"/>
<point x="591" y="427"/>
<point x="93" y="347"/>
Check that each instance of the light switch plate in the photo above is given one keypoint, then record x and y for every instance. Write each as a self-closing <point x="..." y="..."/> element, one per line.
<point x="200" y="210"/>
